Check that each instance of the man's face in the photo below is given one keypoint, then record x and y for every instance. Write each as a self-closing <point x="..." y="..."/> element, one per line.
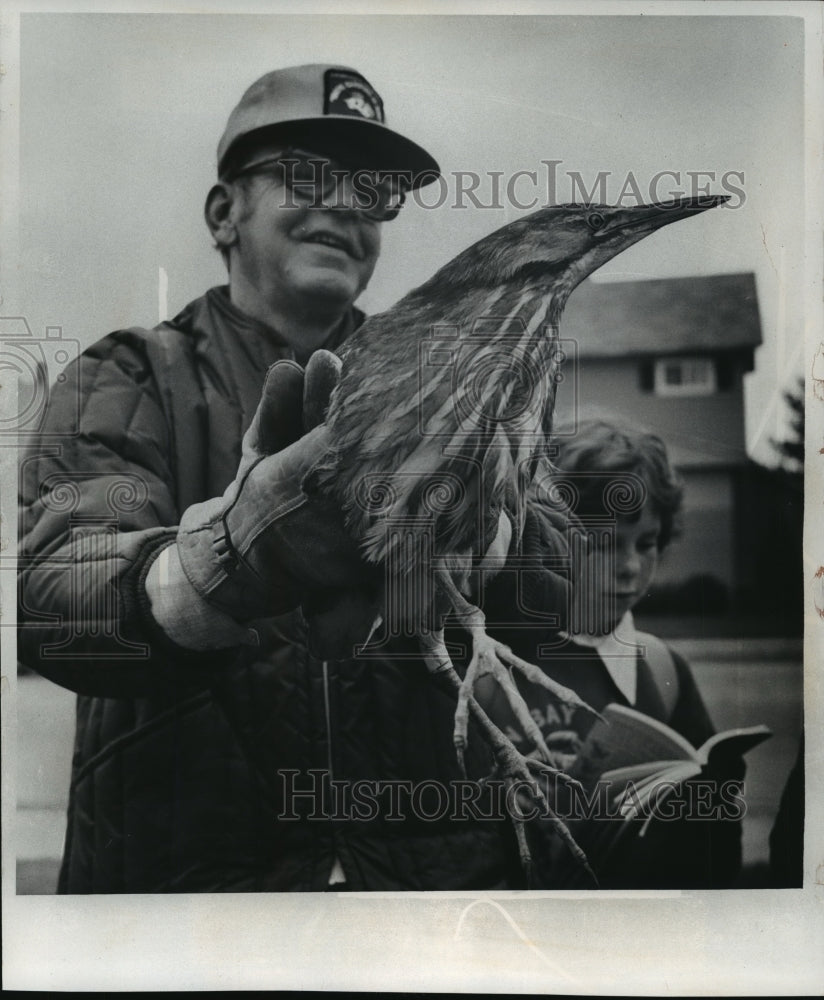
<point x="295" y="253"/>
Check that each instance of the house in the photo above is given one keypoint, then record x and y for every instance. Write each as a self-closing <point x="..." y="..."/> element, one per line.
<point x="671" y="354"/>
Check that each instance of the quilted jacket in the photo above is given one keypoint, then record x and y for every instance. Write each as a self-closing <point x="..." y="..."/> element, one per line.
<point x="218" y="771"/>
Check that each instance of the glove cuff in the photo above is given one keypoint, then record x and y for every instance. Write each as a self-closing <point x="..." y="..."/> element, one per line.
<point x="212" y="565"/>
<point x="218" y="569"/>
<point x="183" y="614"/>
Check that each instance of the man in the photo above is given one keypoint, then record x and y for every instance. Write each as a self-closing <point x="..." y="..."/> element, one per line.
<point x="167" y="546"/>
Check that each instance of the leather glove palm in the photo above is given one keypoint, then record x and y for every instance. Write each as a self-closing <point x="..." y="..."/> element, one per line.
<point x="264" y="548"/>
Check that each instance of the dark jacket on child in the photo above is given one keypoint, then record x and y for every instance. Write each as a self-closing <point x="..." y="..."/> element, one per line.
<point x="701" y="850"/>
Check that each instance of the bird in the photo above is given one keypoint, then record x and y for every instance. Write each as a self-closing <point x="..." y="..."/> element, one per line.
<point x="438" y="426"/>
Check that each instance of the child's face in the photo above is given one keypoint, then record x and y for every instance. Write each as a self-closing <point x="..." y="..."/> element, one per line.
<point x="615" y="581"/>
<point x="636" y="559"/>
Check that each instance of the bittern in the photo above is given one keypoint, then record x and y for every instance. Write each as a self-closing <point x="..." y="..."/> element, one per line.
<point x="439" y="421"/>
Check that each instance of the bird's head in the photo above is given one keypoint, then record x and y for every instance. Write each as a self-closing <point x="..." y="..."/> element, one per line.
<point x="562" y="245"/>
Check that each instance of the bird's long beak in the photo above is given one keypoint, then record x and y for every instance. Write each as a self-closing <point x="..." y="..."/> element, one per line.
<point x="645" y="219"/>
<point x="622" y="227"/>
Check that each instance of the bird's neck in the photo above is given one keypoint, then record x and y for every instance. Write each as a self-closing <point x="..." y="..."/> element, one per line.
<point x="533" y="311"/>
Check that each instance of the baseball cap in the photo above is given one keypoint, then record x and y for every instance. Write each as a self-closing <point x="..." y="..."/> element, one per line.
<point x="330" y="109"/>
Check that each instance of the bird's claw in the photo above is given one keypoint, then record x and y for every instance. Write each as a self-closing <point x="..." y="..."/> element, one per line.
<point x="460" y="748"/>
<point x="536" y="676"/>
<point x="557" y="824"/>
<point x="540" y="767"/>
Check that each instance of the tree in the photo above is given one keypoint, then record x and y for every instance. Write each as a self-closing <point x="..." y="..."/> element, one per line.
<point x="791" y="449"/>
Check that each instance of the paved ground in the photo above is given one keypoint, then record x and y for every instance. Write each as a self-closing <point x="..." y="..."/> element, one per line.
<point x="744" y="683"/>
<point x="45" y="728"/>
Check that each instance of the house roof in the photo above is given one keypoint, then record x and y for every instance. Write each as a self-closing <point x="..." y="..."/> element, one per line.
<point x="664" y="316"/>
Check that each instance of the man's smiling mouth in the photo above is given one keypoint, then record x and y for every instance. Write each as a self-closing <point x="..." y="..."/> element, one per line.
<point x="332" y="240"/>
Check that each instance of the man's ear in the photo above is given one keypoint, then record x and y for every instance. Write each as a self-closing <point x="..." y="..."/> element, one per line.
<point x="219" y="215"/>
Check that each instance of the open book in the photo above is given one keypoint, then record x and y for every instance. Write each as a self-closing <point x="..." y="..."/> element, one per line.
<point x="636" y="771"/>
<point x="629" y="746"/>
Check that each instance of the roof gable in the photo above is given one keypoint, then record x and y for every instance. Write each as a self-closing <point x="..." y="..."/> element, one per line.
<point x="664" y="316"/>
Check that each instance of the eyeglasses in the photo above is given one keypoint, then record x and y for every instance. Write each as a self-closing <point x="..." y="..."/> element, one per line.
<point x="311" y="179"/>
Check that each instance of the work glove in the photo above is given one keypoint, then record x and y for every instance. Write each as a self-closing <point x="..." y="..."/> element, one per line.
<point x="265" y="547"/>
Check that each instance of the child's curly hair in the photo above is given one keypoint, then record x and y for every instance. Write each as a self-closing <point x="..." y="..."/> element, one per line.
<point x="608" y="447"/>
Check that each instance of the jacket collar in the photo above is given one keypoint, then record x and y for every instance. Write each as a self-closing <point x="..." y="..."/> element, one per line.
<point x="254" y="331"/>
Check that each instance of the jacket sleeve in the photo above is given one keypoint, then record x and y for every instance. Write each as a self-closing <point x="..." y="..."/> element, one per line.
<point x="97" y="504"/>
<point x="689" y="715"/>
<point x="720" y="838"/>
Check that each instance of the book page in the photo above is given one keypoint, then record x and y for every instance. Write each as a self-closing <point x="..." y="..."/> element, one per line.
<point x="627" y="737"/>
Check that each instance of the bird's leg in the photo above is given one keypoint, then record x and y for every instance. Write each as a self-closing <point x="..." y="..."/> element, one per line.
<point x="516" y="769"/>
<point x="492" y="657"/>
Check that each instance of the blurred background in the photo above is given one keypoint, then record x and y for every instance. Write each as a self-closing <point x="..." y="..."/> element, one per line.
<point x="696" y="332"/>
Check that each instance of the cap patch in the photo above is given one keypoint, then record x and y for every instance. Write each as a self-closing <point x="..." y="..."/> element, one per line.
<point x="347" y="93"/>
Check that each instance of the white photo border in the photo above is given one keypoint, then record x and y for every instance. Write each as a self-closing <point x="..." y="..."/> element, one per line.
<point x="664" y="943"/>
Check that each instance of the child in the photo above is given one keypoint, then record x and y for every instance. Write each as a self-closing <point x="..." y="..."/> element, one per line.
<point x="620" y="485"/>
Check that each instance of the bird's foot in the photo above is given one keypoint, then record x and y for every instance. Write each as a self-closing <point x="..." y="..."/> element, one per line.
<point x="519" y="773"/>
<point x="494" y="659"/>
<point x="526" y="800"/>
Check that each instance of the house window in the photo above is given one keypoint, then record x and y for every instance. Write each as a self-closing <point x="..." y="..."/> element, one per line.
<point x="684" y="376"/>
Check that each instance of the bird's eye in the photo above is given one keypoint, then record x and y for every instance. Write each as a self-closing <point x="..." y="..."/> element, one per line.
<point x="596" y="221"/>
